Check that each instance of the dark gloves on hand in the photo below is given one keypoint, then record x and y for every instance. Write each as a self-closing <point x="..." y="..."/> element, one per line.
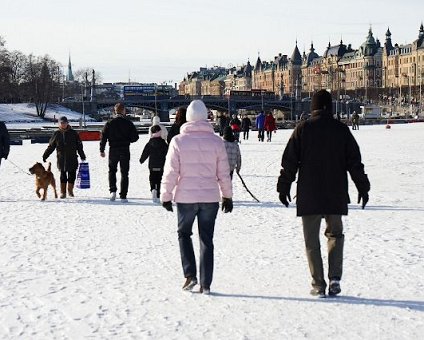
<point x="44" y="160"/>
<point x="168" y="206"/>
<point x="284" y="189"/>
<point x="364" y="197"/>
<point x="227" y="205"/>
<point x="285" y="198"/>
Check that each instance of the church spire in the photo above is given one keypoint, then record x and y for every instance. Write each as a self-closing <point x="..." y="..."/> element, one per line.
<point x="69" y="75"/>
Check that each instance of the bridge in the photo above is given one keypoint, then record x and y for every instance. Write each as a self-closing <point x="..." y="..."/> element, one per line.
<point x="162" y="105"/>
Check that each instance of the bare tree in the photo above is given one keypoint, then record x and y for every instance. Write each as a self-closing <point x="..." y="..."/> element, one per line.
<point x="79" y="75"/>
<point x="43" y="77"/>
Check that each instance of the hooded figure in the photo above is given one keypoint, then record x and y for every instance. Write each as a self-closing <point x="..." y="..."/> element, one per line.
<point x="233" y="150"/>
<point x="164" y="131"/>
<point x="323" y="150"/>
<point x="155" y="150"/>
<point x="67" y="143"/>
<point x="196" y="177"/>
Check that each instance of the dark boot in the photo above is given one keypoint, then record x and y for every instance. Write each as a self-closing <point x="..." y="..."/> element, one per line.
<point x="62" y="190"/>
<point x="71" y="189"/>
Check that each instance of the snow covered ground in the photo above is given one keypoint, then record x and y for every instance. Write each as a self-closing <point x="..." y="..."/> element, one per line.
<point x="89" y="268"/>
<point x="27" y="113"/>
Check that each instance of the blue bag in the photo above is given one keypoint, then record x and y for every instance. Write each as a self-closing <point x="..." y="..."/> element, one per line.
<point x="83" y="176"/>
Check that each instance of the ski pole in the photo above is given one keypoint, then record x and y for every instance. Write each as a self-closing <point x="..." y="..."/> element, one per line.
<point x="247" y="189"/>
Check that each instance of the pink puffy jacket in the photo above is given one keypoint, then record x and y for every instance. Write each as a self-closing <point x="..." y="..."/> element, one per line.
<point x="196" y="166"/>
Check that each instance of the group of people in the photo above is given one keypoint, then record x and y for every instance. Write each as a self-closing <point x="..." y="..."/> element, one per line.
<point x="194" y="168"/>
<point x="263" y="123"/>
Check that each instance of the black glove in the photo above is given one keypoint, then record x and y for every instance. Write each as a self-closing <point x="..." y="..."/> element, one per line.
<point x="227" y="205"/>
<point x="284" y="189"/>
<point x="285" y="198"/>
<point x="168" y="206"/>
<point x="44" y="160"/>
<point x="364" y="197"/>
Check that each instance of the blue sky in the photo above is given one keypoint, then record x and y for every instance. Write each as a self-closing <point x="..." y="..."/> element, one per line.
<point x="162" y="40"/>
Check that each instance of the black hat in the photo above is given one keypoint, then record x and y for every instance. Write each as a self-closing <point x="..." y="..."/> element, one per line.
<point x="228" y="134"/>
<point x="321" y="100"/>
<point x="63" y="119"/>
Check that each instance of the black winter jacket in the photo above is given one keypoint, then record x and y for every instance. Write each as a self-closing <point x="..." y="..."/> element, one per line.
<point x="323" y="150"/>
<point x="67" y="143"/>
<point x="156" y="150"/>
<point x="4" y="141"/>
<point x="173" y="131"/>
<point x="120" y="132"/>
<point x="246" y="123"/>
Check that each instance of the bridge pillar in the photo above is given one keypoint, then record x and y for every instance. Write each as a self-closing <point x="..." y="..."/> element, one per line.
<point x="163" y="112"/>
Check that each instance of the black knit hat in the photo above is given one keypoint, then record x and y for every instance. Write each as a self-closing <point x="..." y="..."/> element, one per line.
<point x="228" y="134"/>
<point x="321" y="100"/>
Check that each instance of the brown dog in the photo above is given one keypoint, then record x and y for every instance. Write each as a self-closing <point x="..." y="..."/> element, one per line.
<point x="43" y="179"/>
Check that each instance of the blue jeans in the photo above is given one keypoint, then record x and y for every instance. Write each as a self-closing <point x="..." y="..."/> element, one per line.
<point x="206" y="215"/>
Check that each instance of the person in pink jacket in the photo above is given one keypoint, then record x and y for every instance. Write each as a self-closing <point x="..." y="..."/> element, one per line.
<point x="196" y="176"/>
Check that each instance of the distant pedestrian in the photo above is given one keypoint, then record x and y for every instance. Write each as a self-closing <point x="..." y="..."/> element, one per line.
<point x="120" y="132"/>
<point x="233" y="151"/>
<point x="235" y="125"/>
<point x="68" y="144"/>
<point x="180" y="119"/>
<point x="223" y="123"/>
<point x="323" y="150"/>
<point x="260" y="126"/>
<point x="164" y="131"/>
<point x="155" y="150"/>
<point x="246" y="123"/>
<point x="270" y="126"/>
<point x="4" y="141"/>
<point x="355" y="121"/>
<point x="196" y="177"/>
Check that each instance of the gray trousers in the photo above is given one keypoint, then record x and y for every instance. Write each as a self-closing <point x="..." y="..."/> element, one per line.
<point x="335" y="241"/>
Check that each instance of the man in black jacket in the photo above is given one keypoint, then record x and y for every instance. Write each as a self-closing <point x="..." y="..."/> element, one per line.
<point x="323" y="150"/>
<point x="120" y="132"/>
<point x="4" y="141"/>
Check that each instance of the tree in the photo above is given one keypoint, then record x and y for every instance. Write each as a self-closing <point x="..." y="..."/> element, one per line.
<point x="44" y="79"/>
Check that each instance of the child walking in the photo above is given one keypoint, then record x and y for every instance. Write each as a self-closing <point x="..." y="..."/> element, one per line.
<point x="156" y="150"/>
<point x="233" y="151"/>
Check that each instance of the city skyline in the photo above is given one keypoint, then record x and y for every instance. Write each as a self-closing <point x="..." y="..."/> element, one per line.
<point x="150" y="41"/>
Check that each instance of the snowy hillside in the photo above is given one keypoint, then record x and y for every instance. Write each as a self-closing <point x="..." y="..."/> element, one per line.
<point x="27" y="113"/>
<point x="90" y="268"/>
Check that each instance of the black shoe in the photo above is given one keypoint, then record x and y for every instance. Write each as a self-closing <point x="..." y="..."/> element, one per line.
<point x="334" y="288"/>
<point x="318" y="292"/>
<point x="190" y="283"/>
<point x="205" y="290"/>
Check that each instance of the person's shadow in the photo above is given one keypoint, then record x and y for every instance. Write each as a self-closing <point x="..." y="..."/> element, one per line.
<point x="404" y="304"/>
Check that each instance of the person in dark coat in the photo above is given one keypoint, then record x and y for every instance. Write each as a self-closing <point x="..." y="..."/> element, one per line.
<point x="67" y="143"/>
<point x="180" y="119"/>
<point x="155" y="150"/>
<point x="223" y="123"/>
<point x="4" y="141"/>
<point x="323" y="150"/>
<point x="246" y="123"/>
<point x="120" y="132"/>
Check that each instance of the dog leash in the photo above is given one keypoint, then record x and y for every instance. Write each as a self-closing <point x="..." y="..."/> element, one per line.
<point x="18" y="167"/>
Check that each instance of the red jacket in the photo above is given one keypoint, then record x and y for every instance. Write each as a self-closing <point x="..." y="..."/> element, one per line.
<point x="270" y="123"/>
